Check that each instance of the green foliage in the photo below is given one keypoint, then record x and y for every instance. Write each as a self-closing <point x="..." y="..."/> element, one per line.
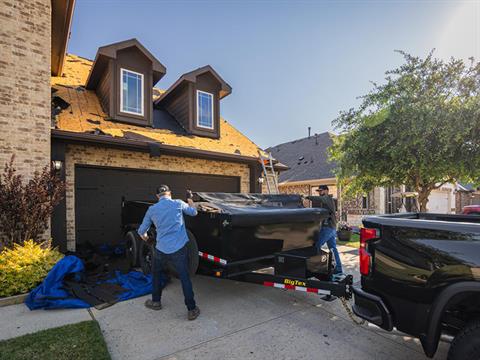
<point x="25" y="266"/>
<point x="420" y="129"/>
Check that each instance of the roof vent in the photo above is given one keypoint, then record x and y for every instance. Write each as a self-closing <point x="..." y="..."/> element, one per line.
<point x="301" y="158"/>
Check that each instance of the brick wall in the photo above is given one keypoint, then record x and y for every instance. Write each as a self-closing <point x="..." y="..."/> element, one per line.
<point x="25" y="28"/>
<point x="88" y="155"/>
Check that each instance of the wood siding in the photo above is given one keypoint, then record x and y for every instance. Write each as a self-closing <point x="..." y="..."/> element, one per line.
<point x="104" y="90"/>
<point x="179" y="105"/>
<point x="134" y="60"/>
<point x="206" y="82"/>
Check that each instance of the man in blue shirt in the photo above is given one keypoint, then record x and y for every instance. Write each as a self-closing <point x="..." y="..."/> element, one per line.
<point x="171" y="245"/>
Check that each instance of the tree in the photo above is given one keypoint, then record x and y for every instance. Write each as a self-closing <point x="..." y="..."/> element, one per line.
<point x="421" y="128"/>
<point x="26" y="206"/>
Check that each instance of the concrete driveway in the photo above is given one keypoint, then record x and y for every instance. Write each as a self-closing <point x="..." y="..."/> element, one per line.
<point x="246" y="321"/>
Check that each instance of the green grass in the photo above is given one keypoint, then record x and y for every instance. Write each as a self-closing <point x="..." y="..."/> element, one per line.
<point x="354" y="241"/>
<point x="77" y="341"/>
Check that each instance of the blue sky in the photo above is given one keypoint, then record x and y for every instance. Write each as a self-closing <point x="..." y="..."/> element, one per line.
<point x="291" y="64"/>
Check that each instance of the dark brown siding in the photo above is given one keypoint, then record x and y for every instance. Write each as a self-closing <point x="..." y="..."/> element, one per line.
<point x="133" y="59"/>
<point x="178" y="106"/>
<point x="206" y="82"/>
<point x="104" y="89"/>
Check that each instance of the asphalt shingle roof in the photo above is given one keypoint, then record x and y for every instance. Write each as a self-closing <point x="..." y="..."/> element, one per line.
<point x="307" y="158"/>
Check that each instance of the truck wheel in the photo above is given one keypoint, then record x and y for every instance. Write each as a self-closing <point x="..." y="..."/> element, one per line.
<point x="132" y="244"/>
<point x="146" y="257"/>
<point x="192" y="249"/>
<point x="466" y="345"/>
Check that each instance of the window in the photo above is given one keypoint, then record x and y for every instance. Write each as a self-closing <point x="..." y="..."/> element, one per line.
<point x="365" y="202"/>
<point x="204" y="110"/>
<point x="131" y="98"/>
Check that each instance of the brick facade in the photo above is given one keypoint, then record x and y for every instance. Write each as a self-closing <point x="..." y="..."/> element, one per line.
<point x="99" y="156"/>
<point x="464" y="198"/>
<point x="25" y="29"/>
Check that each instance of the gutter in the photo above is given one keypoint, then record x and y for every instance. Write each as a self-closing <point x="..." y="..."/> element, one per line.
<point x="143" y="146"/>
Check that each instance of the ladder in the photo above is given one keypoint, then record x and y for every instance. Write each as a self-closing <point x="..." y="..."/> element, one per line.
<point x="269" y="173"/>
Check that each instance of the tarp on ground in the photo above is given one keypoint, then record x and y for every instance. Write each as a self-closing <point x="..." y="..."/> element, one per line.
<point x="52" y="294"/>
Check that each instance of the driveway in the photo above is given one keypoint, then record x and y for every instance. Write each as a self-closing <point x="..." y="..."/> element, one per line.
<point x="238" y="321"/>
<point x="246" y="321"/>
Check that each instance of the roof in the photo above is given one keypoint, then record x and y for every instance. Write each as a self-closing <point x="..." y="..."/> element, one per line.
<point x="104" y="53"/>
<point x="62" y="12"/>
<point x="467" y="187"/>
<point x="307" y="158"/>
<point x="85" y="115"/>
<point x="192" y="77"/>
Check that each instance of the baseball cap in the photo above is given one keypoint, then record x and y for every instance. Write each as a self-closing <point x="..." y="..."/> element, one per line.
<point x="163" y="189"/>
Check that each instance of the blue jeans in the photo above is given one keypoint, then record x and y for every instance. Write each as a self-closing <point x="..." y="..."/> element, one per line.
<point x="179" y="260"/>
<point x="328" y="235"/>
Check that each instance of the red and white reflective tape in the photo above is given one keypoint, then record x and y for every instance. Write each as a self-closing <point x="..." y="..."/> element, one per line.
<point x="297" y="288"/>
<point x="212" y="258"/>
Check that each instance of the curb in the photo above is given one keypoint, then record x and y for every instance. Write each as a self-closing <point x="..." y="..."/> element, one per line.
<point x="12" y="300"/>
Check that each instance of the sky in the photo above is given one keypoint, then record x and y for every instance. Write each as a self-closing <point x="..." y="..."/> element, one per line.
<point x="291" y="64"/>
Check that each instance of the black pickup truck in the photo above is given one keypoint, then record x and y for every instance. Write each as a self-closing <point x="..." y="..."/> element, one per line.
<point x="421" y="275"/>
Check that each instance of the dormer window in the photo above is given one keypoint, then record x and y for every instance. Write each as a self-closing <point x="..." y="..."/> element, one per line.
<point x="131" y="98"/>
<point x="204" y="109"/>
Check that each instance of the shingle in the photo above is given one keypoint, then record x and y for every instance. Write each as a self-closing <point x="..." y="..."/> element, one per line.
<point x="85" y="106"/>
<point x="307" y="158"/>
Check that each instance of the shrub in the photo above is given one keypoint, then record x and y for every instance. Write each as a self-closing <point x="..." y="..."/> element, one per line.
<point x="25" y="266"/>
<point x="26" y="206"/>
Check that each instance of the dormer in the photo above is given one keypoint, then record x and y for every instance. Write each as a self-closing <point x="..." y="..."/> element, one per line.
<point x="123" y="75"/>
<point x="194" y="101"/>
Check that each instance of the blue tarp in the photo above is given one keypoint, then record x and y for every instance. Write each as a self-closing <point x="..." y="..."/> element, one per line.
<point x="51" y="294"/>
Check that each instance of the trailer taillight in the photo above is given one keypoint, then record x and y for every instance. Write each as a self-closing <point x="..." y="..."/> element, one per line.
<point x="365" y="257"/>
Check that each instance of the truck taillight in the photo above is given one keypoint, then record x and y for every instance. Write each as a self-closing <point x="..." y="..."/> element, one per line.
<point x="365" y="257"/>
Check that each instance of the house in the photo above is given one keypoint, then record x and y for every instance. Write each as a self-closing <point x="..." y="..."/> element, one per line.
<point x="110" y="133"/>
<point x="466" y="194"/>
<point x="309" y="167"/>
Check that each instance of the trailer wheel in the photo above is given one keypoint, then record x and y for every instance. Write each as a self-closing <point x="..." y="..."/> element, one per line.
<point x="192" y="249"/>
<point x="466" y="344"/>
<point x="132" y="244"/>
<point x="147" y="250"/>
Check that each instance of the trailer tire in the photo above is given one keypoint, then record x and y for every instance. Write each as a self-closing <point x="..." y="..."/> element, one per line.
<point x="466" y="344"/>
<point x="192" y="249"/>
<point x="147" y="250"/>
<point x="132" y="245"/>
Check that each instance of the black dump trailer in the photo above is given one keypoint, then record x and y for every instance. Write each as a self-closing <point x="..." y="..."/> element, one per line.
<point x="257" y="238"/>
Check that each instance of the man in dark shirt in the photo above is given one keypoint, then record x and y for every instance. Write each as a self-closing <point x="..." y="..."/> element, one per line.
<point x="328" y="231"/>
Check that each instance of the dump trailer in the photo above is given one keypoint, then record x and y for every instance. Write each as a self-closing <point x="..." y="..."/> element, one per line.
<point x="266" y="239"/>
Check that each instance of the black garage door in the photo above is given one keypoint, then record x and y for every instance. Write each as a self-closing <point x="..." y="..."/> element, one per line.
<point x="99" y="192"/>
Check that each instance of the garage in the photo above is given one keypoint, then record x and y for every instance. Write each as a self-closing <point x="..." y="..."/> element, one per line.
<point x="99" y="192"/>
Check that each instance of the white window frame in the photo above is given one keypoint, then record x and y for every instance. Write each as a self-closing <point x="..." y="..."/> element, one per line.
<point x="142" y="102"/>
<point x="198" y="112"/>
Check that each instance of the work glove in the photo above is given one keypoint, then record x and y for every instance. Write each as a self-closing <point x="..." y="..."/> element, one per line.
<point x="189" y="194"/>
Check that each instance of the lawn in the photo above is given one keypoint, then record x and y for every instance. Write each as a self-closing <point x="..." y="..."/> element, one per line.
<point x="354" y="241"/>
<point x="77" y="341"/>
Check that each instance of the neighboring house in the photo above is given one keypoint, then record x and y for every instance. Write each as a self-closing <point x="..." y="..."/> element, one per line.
<point x="309" y="167"/>
<point x="111" y="133"/>
<point x="466" y="194"/>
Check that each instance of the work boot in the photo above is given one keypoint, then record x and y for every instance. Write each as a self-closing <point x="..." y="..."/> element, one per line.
<point x="154" y="305"/>
<point x="193" y="314"/>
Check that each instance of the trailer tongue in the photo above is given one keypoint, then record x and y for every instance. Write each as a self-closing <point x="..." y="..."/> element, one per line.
<point x="257" y="238"/>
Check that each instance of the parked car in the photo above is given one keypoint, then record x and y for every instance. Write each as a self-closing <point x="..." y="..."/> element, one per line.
<point x="471" y="209"/>
<point x="420" y="273"/>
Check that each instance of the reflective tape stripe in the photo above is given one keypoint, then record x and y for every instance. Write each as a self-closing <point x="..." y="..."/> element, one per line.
<point x="297" y="288"/>
<point x="212" y="258"/>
